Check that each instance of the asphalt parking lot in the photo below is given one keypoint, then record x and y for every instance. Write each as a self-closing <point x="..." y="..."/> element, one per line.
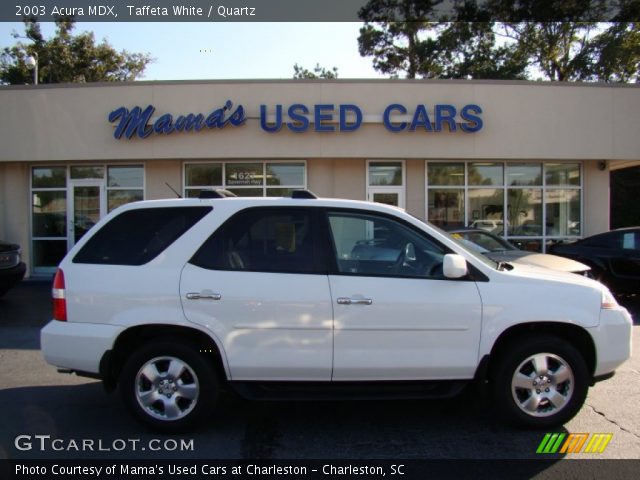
<point x="36" y="400"/>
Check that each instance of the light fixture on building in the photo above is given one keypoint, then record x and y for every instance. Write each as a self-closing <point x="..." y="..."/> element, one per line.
<point x="602" y="165"/>
<point x="32" y="64"/>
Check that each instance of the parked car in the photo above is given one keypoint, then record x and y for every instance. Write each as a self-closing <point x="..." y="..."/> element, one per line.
<point x="11" y="267"/>
<point x="500" y="250"/>
<point x="488" y="225"/>
<point x="614" y="258"/>
<point x="173" y="300"/>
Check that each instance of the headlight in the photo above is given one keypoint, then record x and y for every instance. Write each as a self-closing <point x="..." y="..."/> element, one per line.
<point x="9" y="259"/>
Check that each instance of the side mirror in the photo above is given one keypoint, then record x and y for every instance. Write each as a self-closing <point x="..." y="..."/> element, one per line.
<point x="454" y="266"/>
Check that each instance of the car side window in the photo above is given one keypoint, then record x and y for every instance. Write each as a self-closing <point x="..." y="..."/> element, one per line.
<point x="136" y="237"/>
<point x="630" y="240"/>
<point x="372" y="245"/>
<point x="606" y="240"/>
<point x="261" y="240"/>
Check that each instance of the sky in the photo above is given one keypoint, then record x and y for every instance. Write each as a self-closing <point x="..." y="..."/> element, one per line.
<point x="188" y="51"/>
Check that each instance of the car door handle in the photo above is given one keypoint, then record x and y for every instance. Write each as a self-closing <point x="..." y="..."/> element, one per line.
<point x="354" y="301"/>
<point x="203" y="296"/>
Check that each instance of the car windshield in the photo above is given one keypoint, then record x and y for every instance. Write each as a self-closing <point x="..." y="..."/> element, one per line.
<point x="465" y="246"/>
<point x="485" y="241"/>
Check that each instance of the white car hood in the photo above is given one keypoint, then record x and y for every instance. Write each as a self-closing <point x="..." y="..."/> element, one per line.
<point x="553" y="262"/>
<point x="543" y="273"/>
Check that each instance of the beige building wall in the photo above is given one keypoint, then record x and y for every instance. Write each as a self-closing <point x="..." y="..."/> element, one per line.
<point x="416" y="202"/>
<point x="522" y="120"/>
<point x="160" y="172"/>
<point x="596" y="198"/>
<point x="15" y="206"/>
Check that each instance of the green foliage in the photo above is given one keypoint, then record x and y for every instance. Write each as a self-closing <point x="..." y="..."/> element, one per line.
<point x="318" y="72"/>
<point x="415" y="39"/>
<point x="68" y="58"/>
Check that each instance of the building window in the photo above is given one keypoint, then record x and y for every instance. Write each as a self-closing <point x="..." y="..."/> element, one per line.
<point x="531" y="204"/>
<point x="386" y="182"/>
<point x="67" y="201"/>
<point x="246" y="179"/>
<point x="48" y="215"/>
<point x="125" y="184"/>
<point x="446" y="198"/>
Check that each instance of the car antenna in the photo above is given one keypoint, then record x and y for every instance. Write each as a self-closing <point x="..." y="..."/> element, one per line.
<point x="173" y="189"/>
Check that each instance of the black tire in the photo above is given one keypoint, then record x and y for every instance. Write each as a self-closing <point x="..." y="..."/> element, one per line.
<point x="557" y="395"/>
<point x="174" y="401"/>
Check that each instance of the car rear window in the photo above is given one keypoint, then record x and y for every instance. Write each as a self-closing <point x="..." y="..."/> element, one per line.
<point x="136" y="237"/>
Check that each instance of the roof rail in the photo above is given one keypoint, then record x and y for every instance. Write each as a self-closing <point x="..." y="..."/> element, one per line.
<point x="216" y="193"/>
<point x="303" y="194"/>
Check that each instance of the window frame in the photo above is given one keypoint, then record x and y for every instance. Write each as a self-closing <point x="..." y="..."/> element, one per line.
<point x="400" y="190"/>
<point x="199" y="212"/>
<point x="544" y="238"/>
<point x="331" y="248"/>
<point x="223" y="163"/>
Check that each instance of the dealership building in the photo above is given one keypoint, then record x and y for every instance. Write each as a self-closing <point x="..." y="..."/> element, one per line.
<point x="528" y="160"/>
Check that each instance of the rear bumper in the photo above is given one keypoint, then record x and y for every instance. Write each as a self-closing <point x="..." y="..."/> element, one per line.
<point x="612" y="338"/>
<point x="77" y="346"/>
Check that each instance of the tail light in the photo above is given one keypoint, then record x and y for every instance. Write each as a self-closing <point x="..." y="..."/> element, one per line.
<point x="59" y="297"/>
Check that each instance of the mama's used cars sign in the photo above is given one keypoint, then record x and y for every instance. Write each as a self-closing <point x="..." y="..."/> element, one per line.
<point x="299" y="118"/>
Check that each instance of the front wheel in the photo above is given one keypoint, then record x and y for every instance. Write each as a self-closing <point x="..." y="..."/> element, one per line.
<point x="541" y="382"/>
<point x="168" y="386"/>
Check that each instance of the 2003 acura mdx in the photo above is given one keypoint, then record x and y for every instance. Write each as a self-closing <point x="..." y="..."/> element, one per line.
<point x="172" y="300"/>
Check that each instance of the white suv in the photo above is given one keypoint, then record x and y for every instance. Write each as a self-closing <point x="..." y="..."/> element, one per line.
<point x="173" y="300"/>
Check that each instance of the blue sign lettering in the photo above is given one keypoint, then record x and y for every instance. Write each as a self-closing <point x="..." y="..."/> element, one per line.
<point x="132" y="121"/>
<point x="474" y="122"/>
<point x="386" y="117"/>
<point x="271" y="128"/>
<point x="350" y="127"/>
<point x="321" y="117"/>
<point x="445" y="114"/>
<point x="300" y="122"/>
<point x="137" y="121"/>
<point x="421" y="119"/>
<point x="325" y="118"/>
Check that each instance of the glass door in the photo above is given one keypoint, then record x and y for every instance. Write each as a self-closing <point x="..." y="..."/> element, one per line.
<point x="87" y="206"/>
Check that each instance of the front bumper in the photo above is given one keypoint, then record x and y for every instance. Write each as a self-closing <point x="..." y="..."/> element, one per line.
<point x="77" y="346"/>
<point x="10" y="276"/>
<point x="612" y="338"/>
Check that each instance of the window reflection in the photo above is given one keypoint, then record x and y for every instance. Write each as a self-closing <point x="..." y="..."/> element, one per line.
<point x="446" y="207"/>
<point x="487" y="209"/>
<point x="525" y="211"/>
<point x="49" y="214"/>
<point x="524" y="174"/>
<point x="562" y="212"/>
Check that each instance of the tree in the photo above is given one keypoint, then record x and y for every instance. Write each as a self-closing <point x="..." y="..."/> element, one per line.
<point x="68" y="58"/>
<point x="318" y="72"/>
<point x="422" y="38"/>
<point x="396" y="34"/>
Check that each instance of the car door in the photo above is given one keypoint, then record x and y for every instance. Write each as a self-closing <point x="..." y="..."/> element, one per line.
<point x="259" y="285"/>
<point x="395" y="315"/>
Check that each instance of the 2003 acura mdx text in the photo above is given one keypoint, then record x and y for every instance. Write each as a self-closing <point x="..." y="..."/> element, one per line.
<point x="171" y="301"/>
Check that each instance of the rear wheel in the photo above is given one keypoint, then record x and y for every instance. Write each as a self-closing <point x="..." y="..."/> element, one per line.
<point x="541" y="382"/>
<point x="168" y="385"/>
